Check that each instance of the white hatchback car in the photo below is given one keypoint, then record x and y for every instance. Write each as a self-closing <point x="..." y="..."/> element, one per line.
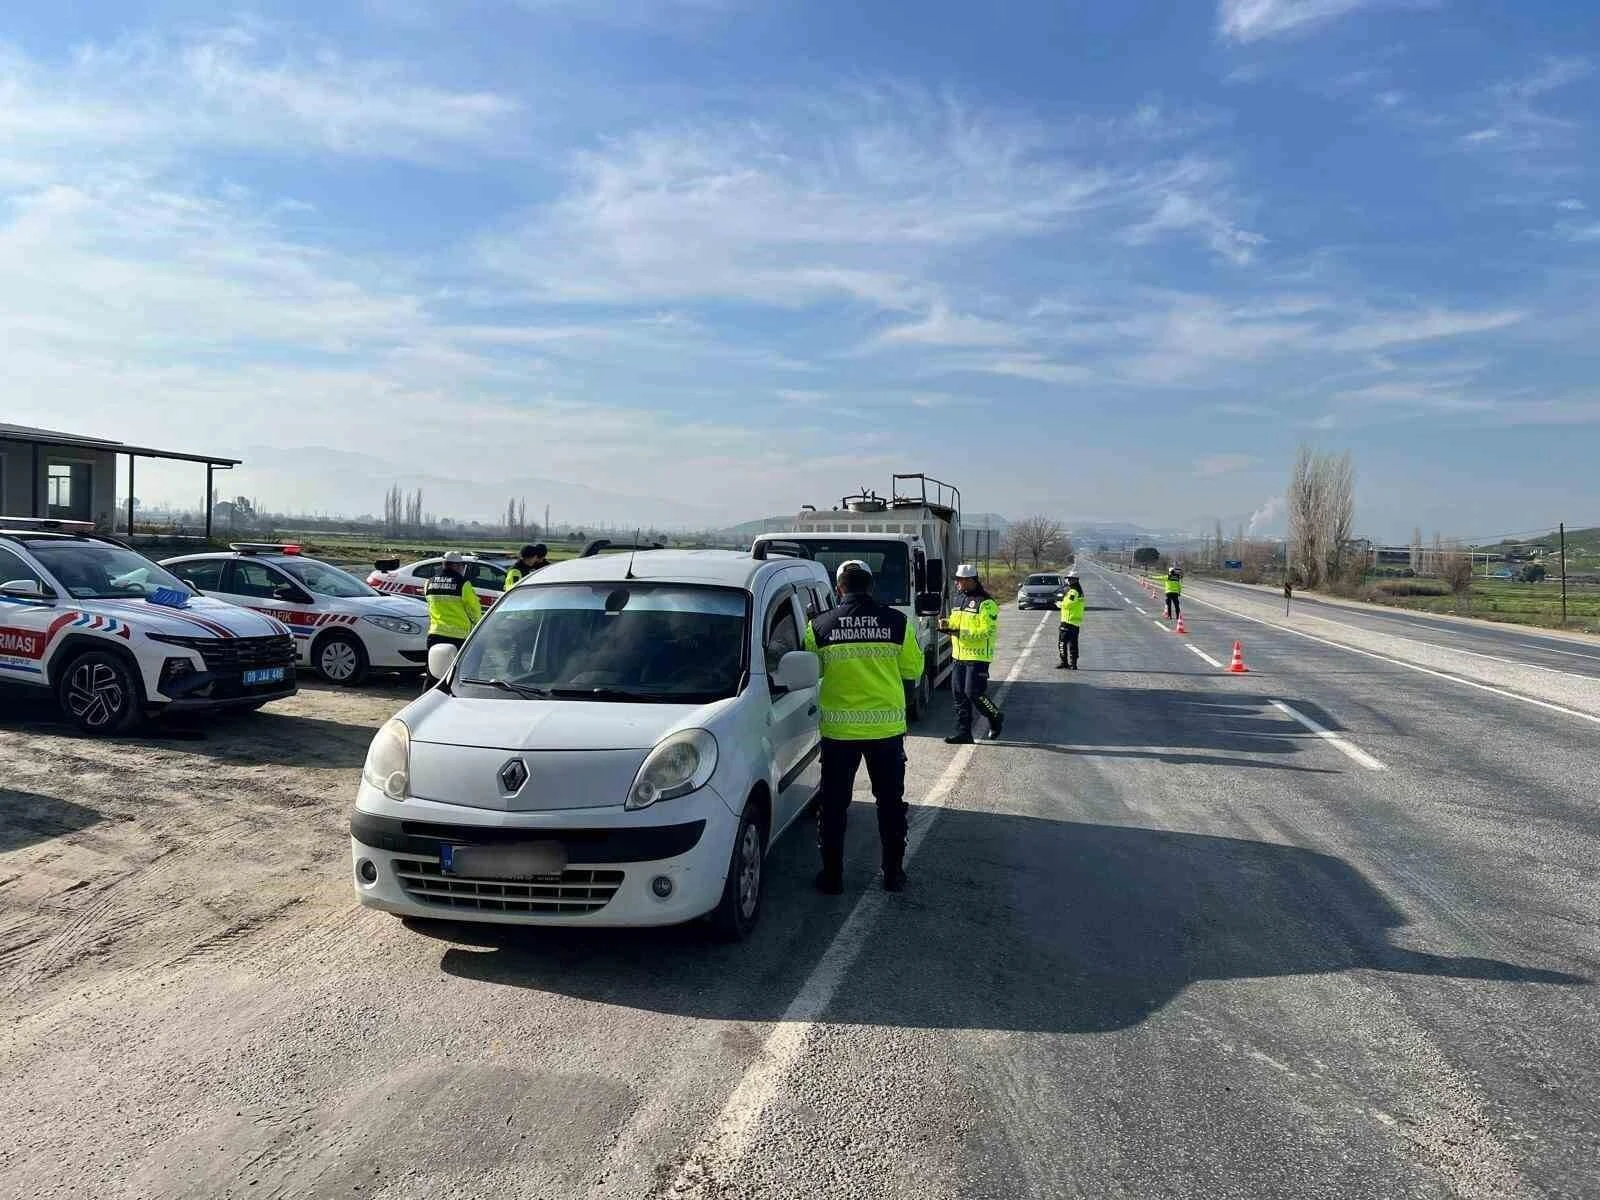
<point x="618" y="743"/>
<point x="486" y="574"/>
<point x="342" y="628"/>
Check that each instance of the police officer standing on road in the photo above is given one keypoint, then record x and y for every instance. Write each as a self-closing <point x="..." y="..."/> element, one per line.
<point x="453" y="606"/>
<point x="868" y="653"/>
<point x="972" y="626"/>
<point x="1174" y="590"/>
<point x="533" y="558"/>
<point x="1071" y="623"/>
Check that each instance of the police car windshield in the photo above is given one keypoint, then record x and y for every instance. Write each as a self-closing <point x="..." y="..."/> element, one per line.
<point x="320" y="579"/>
<point x="640" y="642"/>
<point x="98" y="571"/>
<point x="890" y="563"/>
<point x="1044" y="581"/>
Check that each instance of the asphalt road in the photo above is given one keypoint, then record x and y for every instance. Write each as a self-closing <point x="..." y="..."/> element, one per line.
<point x="1163" y="940"/>
<point x="1511" y="642"/>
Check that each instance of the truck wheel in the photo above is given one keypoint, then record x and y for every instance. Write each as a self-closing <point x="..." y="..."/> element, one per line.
<point x="737" y="912"/>
<point x="100" y="694"/>
<point x="341" y="659"/>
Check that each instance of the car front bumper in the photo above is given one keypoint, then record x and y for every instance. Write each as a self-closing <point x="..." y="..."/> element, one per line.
<point x="613" y="859"/>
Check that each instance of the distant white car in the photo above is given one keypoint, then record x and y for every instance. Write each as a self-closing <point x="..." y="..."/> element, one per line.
<point x="618" y="742"/>
<point x="486" y="574"/>
<point x="342" y="628"/>
<point x="117" y="638"/>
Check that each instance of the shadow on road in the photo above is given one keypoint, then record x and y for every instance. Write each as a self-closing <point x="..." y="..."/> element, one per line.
<point x="28" y="817"/>
<point x="1014" y="923"/>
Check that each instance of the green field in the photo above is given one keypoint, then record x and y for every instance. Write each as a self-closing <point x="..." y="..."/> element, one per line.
<point x="1521" y="603"/>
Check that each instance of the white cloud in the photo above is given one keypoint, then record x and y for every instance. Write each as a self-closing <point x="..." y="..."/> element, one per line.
<point x="1402" y="328"/>
<point x="1258" y="20"/>
<point x="1581" y="233"/>
<point x="1572" y="204"/>
<point x="1180" y="212"/>
<point x="242" y="87"/>
<point x="1210" y="466"/>
<point x="941" y="327"/>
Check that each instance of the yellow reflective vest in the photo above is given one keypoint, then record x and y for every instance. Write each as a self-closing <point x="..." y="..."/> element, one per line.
<point x="1072" y="607"/>
<point x="453" y="607"/>
<point x="516" y="573"/>
<point x="1174" y="586"/>
<point x="868" y="653"/>
<point x="973" y="624"/>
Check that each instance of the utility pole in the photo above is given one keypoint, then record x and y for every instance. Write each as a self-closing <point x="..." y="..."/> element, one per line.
<point x="1563" y="574"/>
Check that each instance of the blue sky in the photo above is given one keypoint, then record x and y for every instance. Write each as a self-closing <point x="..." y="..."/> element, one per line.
<point x="1106" y="260"/>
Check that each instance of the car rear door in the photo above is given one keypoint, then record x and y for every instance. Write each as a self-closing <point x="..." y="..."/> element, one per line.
<point x="25" y="625"/>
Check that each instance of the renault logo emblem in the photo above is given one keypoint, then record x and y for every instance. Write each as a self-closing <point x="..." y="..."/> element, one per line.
<point x="513" y="775"/>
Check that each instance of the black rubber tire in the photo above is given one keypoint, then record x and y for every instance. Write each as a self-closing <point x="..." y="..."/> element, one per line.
<point x="100" y="694"/>
<point x="736" y="914"/>
<point x="348" y="652"/>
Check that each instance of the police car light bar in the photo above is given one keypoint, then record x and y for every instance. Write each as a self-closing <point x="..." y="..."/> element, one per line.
<point x="47" y="524"/>
<point x="264" y="547"/>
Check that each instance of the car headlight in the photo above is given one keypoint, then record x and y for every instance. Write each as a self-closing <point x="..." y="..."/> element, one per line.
<point x="388" y="765"/>
<point x="679" y="764"/>
<point x="394" y="624"/>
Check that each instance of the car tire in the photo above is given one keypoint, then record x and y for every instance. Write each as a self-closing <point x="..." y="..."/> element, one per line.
<point x="736" y="914"/>
<point x="340" y="659"/>
<point x="101" y="695"/>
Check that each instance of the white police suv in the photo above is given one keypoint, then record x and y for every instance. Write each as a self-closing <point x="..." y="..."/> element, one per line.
<point x="342" y="628"/>
<point x="618" y="743"/>
<point x="117" y="638"/>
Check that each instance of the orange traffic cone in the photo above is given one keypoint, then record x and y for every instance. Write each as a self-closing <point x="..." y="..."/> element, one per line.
<point x="1179" y="627"/>
<point x="1237" y="667"/>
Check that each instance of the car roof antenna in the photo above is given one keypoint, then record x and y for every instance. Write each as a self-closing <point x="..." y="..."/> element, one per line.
<point x="631" y="553"/>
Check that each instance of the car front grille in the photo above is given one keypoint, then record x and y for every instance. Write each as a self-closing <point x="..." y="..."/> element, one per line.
<point x="229" y="656"/>
<point x="578" y="891"/>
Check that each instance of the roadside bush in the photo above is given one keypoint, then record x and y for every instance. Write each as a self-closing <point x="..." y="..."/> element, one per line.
<point x="1390" y="589"/>
<point x="1534" y="573"/>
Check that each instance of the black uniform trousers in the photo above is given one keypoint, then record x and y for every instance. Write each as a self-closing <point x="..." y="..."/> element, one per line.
<point x="1068" y="643"/>
<point x="886" y="768"/>
<point x="1174" y="604"/>
<point x="969" y="684"/>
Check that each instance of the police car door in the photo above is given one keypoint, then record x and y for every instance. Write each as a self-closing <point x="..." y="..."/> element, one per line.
<point x="792" y="720"/>
<point x="25" y="621"/>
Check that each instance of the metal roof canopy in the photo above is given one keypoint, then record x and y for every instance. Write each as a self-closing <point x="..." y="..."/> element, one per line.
<point x="70" y="441"/>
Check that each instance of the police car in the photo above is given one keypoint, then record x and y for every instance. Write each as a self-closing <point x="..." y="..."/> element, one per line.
<point x="342" y="628"/>
<point x="117" y="638"/>
<point x="485" y="572"/>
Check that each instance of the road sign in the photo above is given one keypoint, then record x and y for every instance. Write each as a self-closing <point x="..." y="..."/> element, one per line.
<point x="1233" y="564"/>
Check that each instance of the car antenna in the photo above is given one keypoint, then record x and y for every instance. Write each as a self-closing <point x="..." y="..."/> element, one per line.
<point x="632" y="552"/>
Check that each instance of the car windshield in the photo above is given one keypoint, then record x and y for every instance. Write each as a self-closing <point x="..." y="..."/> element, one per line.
<point x="890" y="563"/>
<point x="322" y="580"/>
<point x="1044" y="581"/>
<point x="98" y="571"/>
<point x="647" y="642"/>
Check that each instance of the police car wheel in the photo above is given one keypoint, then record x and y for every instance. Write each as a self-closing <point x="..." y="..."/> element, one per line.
<point x="340" y="659"/>
<point x="737" y="912"/>
<point x="100" y="695"/>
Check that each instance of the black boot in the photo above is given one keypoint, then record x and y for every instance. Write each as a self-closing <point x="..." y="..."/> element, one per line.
<point x="959" y="739"/>
<point x="830" y="882"/>
<point x="996" y="725"/>
<point x="894" y="877"/>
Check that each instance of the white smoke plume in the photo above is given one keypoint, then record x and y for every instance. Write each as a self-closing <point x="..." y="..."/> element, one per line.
<point x="1268" y="512"/>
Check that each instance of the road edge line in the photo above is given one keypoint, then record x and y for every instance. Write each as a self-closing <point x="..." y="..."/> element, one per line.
<point x="1349" y="749"/>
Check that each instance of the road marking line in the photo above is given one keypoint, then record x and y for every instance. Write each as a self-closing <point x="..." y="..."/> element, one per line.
<point x="1140" y="611"/>
<point x="1159" y="624"/>
<point x="1410" y="666"/>
<point x="1327" y="735"/>
<point x="728" y="1139"/>
<point x="1204" y="655"/>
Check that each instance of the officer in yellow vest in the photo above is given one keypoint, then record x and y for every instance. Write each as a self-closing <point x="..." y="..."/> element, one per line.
<point x="972" y="626"/>
<point x="1071" y="623"/>
<point x="533" y="558"/>
<point x="453" y="605"/>
<point x="1174" y="590"/>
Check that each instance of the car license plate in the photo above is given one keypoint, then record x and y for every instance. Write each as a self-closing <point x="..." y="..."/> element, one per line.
<point x="528" y="860"/>
<point x="265" y="675"/>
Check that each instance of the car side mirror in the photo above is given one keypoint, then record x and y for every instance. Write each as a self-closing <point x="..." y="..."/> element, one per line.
<point x="441" y="658"/>
<point x="929" y="604"/>
<point x="26" y="589"/>
<point x="936" y="582"/>
<point x="797" y="671"/>
<point x="291" y="595"/>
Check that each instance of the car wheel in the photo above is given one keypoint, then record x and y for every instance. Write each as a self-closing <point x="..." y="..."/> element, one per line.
<point x="100" y="695"/>
<point x="739" y="909"/>
<point x="340" y="659"/>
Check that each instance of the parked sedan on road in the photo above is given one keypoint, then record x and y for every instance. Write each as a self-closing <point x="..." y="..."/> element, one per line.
<point x="486" y="574"/>
<point x="1044" y="590"/>
<point x="342" y="628"/>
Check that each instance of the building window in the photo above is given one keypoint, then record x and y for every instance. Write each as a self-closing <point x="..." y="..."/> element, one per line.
<point x="60" y="486"/>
